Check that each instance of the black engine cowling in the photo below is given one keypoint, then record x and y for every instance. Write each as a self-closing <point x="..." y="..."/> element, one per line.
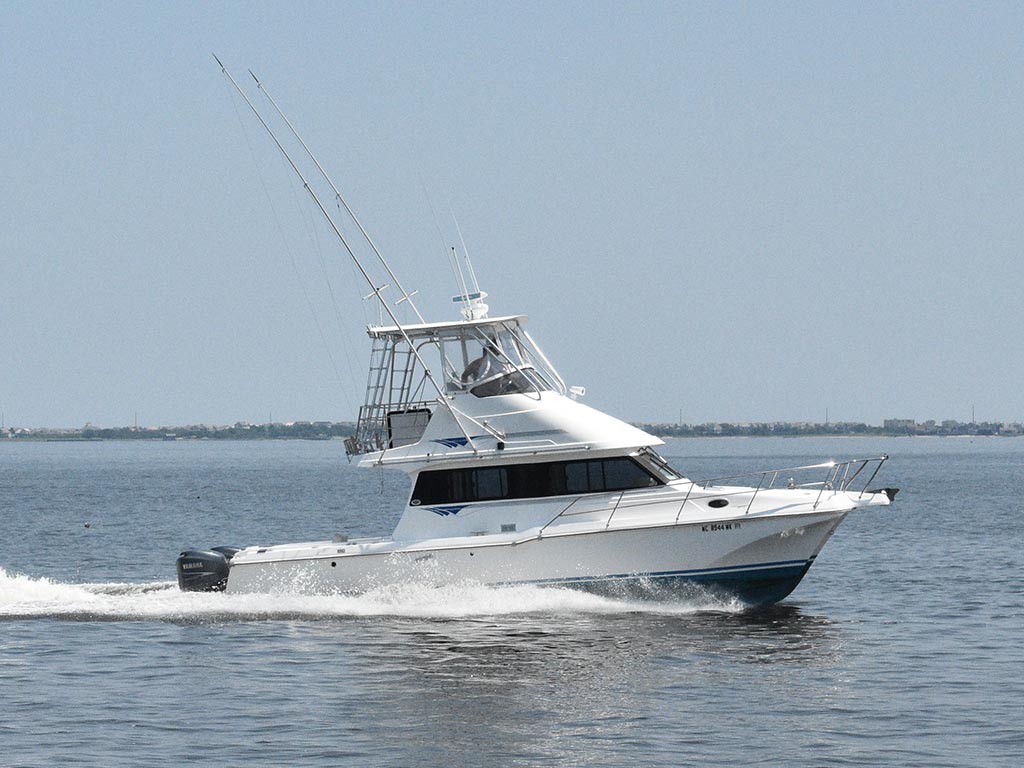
<point x="204" y="570"/>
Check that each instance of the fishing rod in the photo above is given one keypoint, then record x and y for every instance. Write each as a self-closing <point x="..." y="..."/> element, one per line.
<point x="406" y="296"/>
<point x="375" y="290"/>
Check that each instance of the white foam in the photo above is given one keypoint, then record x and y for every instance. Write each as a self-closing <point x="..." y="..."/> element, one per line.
<point x="28" y="597"/>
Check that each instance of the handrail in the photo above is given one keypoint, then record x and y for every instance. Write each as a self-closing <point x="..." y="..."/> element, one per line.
<point x="759" y="484"/>
<point x="510" y="448"/>
<point x="685" y="499"/>
<point x="831" y="481"/>
<point x="540" y="533"/>
<point x="615" y="509"/>
<point x="828" y="483"/>
<point x="872" y="478"/>
<point x="707" y="483"/>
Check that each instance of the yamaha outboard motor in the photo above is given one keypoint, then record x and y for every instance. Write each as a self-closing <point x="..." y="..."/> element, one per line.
<point x="205" y="570"/>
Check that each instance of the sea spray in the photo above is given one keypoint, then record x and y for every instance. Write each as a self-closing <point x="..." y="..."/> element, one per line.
<point x="30" y="597"/>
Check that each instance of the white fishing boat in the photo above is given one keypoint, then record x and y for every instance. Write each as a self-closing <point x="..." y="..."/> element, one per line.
<point x="514" y="481"/>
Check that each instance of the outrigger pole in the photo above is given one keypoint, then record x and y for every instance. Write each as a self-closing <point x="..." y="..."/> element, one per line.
<point x="375" y="290"/>
<point x="406" y="296"/>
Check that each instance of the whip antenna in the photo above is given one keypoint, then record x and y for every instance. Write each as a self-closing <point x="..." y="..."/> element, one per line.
<point x="465" y="252"/>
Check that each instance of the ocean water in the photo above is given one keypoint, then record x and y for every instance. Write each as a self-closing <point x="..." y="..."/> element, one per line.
<point x="903" y="645"/>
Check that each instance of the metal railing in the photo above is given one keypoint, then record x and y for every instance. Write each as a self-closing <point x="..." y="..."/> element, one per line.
<point x="372" y="426"/>
<point x="839" y="478"/>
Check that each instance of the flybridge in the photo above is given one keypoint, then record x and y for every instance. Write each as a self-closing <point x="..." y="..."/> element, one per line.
<point x="479" y="358"/>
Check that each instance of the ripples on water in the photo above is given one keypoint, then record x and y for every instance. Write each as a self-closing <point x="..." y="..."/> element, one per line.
<point x="902" y="646"/>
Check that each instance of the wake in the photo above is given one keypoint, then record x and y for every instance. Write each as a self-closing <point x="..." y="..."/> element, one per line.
<point x="24" y="597"/>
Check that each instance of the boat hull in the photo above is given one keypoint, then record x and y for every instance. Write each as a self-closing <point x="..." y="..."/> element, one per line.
<point x="758" y="560"/>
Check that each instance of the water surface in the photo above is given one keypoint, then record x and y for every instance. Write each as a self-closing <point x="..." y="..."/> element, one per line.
<point x="901" y="647"/>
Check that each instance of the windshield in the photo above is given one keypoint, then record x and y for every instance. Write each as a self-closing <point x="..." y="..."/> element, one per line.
<point x="490" y="362"/>
<point x="514" y="382"/>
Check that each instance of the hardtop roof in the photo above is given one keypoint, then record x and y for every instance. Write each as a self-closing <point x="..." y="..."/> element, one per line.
<point x="449" y="329"/>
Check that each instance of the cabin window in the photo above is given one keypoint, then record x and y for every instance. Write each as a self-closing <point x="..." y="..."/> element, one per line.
<point x="491" y="483"/>
<point x="526" y="481"/>
<point x="577" y="477"/>
<point x="624" y="474"/>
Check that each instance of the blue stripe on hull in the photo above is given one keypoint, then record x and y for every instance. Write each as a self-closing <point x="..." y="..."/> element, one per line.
<point x="757" y="585"/>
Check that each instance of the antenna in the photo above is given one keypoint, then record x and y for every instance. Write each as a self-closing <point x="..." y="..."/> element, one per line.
<point x="473" y="307"/>
<point x="406" y="296"/>
<point x="462" y="279"/>
<point x="465" y="252"/>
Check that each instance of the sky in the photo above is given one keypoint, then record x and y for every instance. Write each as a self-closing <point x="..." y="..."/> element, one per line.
<point x="709" y="211"/>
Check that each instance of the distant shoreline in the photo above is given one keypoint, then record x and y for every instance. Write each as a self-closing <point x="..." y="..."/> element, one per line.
<point x="326" y="430"/>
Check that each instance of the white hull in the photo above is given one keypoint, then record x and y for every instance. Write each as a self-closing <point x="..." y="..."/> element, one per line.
<point x="757" y="558"/>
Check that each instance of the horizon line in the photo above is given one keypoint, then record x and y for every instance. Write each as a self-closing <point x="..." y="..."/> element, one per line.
<point x="907" y="422"/>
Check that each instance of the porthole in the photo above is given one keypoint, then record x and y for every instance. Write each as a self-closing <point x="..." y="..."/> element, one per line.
<point x="718" y="503"/>
<point x="333" y="564"/>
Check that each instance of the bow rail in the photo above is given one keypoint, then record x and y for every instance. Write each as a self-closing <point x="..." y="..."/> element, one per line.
<point x="840" y="477"/>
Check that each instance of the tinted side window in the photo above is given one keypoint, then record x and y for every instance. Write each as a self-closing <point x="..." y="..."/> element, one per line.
<point x="577" y="478"/>
<point x="526" y="481"/>
<point x="432" y="487"/>
<point x="491" y="483"/>
<point x="460" y="485"/>
<point x="623" y="474"/>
